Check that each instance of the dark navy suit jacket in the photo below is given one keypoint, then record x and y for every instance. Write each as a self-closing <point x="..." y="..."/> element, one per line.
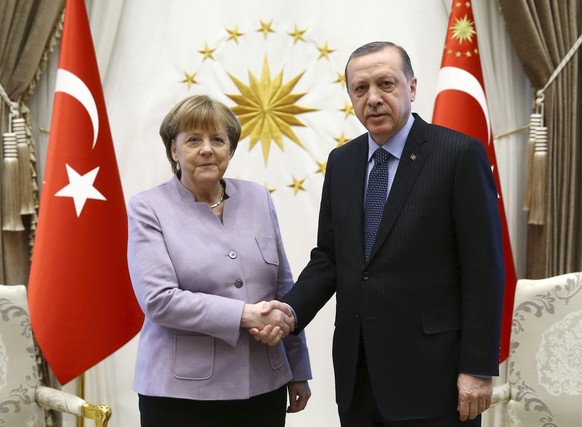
<point x="429" y="300"/>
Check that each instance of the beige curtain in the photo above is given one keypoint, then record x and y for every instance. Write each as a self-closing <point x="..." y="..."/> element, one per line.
<point x="543" y="32"/>
<point x="28" y="30"/>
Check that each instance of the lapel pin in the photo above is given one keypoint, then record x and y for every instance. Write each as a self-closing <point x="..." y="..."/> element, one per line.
<point x="413" y="157"/>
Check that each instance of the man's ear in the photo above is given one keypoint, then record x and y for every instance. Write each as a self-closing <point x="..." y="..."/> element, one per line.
<point x="413" y="82"/>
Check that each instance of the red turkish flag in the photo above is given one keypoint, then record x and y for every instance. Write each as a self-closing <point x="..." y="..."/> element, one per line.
<point x="82" y="305"/>
<point x="461" y="104"/>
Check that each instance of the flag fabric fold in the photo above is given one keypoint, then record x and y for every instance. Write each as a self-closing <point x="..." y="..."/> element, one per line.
<point x="82" y="305"/>
<point x="461" y="104"/>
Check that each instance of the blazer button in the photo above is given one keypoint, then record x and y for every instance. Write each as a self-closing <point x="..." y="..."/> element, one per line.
<point x="238" y="283"/>
<point x="365" y="275"/>
<point x="232" y="254"/>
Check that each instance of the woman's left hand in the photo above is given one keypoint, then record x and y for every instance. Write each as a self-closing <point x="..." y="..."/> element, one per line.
<point x="299" y="394"/>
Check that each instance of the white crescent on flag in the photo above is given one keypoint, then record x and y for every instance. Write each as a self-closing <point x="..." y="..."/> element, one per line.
<point x="454" y="78"/>
<point x="69" y="83"/>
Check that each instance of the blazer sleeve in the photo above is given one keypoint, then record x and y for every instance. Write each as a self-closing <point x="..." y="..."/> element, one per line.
<point x="317" y="282"/>
<point x="156" y="285"/>
<point x="295" y="345"/>
<point x="478" y="233"/>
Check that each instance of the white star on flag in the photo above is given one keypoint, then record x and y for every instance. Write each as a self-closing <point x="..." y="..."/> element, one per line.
<point x="80" y="188"/>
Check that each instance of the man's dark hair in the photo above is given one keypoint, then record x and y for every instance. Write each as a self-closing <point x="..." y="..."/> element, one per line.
<point x="378" y="46"/>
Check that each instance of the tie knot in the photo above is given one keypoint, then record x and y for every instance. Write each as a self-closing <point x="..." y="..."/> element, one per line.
<point x="380" y="156"/>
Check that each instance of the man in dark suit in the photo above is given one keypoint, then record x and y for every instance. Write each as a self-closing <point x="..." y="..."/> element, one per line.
<point x="418" y="307"/>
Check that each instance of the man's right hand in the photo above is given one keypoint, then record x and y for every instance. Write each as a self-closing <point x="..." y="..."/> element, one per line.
<point x="273" y="331"/>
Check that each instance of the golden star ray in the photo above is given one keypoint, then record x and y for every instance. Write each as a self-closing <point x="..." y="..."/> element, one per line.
<point x="267" y="109"/>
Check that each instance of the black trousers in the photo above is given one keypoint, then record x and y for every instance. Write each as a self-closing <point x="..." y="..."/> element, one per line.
<point x="364" y="412"/>
<point x="265" y="410"/>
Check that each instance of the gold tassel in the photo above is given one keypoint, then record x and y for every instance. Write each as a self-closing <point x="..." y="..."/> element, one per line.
<point x="534" y="123"/>
<point x="11" y="220"/>
<point x="537" y="210"/>
<point x="24" y="166"/>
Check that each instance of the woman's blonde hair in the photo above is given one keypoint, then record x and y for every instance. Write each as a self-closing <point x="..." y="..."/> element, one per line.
<point x="198" y="112"/>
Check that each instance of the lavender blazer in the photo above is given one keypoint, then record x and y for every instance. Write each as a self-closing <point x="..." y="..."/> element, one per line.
<point x="192" y="275"/>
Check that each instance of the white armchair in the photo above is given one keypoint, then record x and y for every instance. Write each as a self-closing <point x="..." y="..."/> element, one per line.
<point x="22" y="399"/>
<point x="544" y="371"/>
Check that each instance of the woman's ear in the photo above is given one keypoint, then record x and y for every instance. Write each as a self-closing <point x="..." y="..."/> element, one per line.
<point x="173" y="150"/>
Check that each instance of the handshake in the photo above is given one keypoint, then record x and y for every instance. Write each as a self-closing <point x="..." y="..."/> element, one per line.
<point x="268" y="322"/>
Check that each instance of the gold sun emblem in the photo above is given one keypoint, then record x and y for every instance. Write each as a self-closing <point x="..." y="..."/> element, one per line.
<point x="267" y="109"/>
<point x="464" y="29"/>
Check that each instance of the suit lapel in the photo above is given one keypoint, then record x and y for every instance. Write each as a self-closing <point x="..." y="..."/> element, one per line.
<point x="409" y="167"/>
<point x="357" y="190"/>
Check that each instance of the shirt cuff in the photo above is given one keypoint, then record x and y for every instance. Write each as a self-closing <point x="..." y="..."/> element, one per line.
<point x="292" y="311"/>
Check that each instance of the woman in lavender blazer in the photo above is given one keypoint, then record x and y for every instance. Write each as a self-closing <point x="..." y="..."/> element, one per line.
<point x="204" y="252"/>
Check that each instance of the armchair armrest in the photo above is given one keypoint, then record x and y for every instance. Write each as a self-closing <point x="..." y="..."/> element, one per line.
<point x="501" y="394"/>
<point x="69" y="403"/>
<point x="59" y="400"/>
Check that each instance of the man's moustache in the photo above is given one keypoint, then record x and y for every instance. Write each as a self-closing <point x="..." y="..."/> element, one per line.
<point x="376" y="111"/>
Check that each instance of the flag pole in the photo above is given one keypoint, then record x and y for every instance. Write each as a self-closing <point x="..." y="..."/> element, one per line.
<point x="81" y="394"/>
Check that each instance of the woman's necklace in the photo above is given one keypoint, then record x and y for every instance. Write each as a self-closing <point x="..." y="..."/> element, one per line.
<point x="217" y="204"/>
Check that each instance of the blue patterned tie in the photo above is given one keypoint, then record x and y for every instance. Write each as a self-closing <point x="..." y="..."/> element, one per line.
<point x="375" y="198"/>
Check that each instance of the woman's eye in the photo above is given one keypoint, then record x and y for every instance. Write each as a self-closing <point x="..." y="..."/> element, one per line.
<point x="193" y="140"/>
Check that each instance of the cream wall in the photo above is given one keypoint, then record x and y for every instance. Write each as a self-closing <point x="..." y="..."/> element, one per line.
<point x="143" y="49"/>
